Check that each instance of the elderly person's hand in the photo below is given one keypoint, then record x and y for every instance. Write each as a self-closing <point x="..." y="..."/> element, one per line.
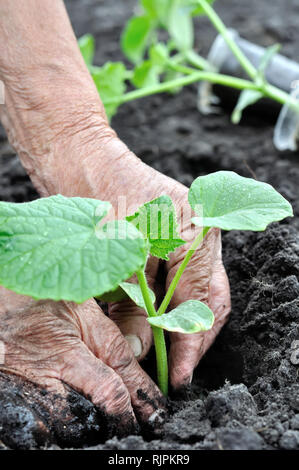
<point x="55" y="120"/>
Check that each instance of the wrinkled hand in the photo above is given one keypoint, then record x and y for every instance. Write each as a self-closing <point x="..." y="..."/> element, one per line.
<point x="57" y="343"/>
<point x="99" y="165"/>
<point x="55" y="120"/>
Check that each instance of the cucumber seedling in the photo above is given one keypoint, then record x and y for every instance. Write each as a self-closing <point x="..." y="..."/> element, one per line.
<point x="160" y="66"/>
<point x="60" y="248"/>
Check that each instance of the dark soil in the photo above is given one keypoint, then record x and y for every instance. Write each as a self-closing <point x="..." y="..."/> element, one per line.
<point x="246" y="390"/>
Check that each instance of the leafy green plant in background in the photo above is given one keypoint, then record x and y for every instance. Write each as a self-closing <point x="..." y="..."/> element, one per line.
<point x="168" y="64"/>
<point x="60" y="248"/>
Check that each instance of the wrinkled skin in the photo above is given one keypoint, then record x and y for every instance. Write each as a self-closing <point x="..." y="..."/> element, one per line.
<point x="55" y="121"/>
<point x="52" y="343"/>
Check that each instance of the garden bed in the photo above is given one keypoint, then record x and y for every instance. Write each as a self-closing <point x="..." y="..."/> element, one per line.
<point x="245" y="393"/>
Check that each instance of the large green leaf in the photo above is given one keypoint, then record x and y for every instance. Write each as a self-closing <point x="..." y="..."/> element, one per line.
<point x="189" y="317"/>
<point x="54" y="248"/>
<point x="135" y="37"/>
<point x="87" y="47"/>
<point x="157" y="221"/>
<point x="110" y="83"/>
<point x="232" y="202"/>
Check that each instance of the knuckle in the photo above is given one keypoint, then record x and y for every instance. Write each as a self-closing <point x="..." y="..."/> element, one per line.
<point x="115" y="397"/>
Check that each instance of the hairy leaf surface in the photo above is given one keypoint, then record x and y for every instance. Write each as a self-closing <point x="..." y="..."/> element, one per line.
<point x="157" y="221"/>
<point x="55" y="248"/>
<point x="189" y="317"/>
<point x="232" y="202"/>
<point x="135" y="293"/>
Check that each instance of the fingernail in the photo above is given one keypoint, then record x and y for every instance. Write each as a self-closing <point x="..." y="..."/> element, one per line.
<point x="191" y="378"/>
<point x="135" y="343"/>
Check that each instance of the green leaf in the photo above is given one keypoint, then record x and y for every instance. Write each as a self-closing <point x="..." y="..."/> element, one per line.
<point x="246" y="98"/>
<point x="135" y="293"/>
<point x="173" y="75"/>
<point x="232" y="202"/>
<point x="267" y="57"/>
<point x="110" y="83"/>
<point x="157" y="9"/>
<point x="135" y="37"/>
<point x="55" y="248"/>
<point x="87" y="47"/>
<point x="157" y="221"/>
<point x="189" y="317"/>
<point x="158" y="54"/>
<point x="180" y="26"/>
<point x="116" y="295"/>
<point x="145" y="74"/>
<point x="127" y="290"/>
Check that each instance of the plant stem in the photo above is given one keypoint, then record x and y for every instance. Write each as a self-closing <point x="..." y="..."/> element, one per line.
<point x="198" y="61"/>
<point x="151" y="311"/>
<point x="161" y="359"/>
<point x="217" y="78"/>
<point x="222" y="29"/>
<point x="158" y="333"/>
<point x="198" y="240"/>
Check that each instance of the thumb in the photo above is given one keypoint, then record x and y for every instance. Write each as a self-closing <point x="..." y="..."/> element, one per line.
<point x="132" y="322"/>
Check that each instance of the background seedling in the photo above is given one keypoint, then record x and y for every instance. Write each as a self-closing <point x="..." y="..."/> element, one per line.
<point x="174" y="63"/>
<point x="57" y="247"/>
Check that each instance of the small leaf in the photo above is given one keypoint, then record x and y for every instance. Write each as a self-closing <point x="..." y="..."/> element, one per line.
<point x="246" y="98"/>
<point x="87" y="47"/>
<point x="135" y="37"/>
<point x="116" y="295"/>
<point x="54" y="248"/>
<point x="157" y="221"/>
<point x="189" y="317"/>
<point x="135" y="293"/>
<point x="173" y="75"/>
<point x="146" y="74"/>
<point x="232" y="202"/>
<point x="158" y="54"/>
<point x="267" y="57"/>
<point x="157" y="9"/>
<point x="110" y="83"/>
<point x="180" y="26"/>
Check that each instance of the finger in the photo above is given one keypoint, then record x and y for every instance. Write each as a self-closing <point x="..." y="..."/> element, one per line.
<point x="132" y="320"/>
<point x="91" y="377"/>
<point x="133" y="324"/>
<point x="107" y="343"/>
<point x="219" y="299"/>
<point x="186" y="350"/>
